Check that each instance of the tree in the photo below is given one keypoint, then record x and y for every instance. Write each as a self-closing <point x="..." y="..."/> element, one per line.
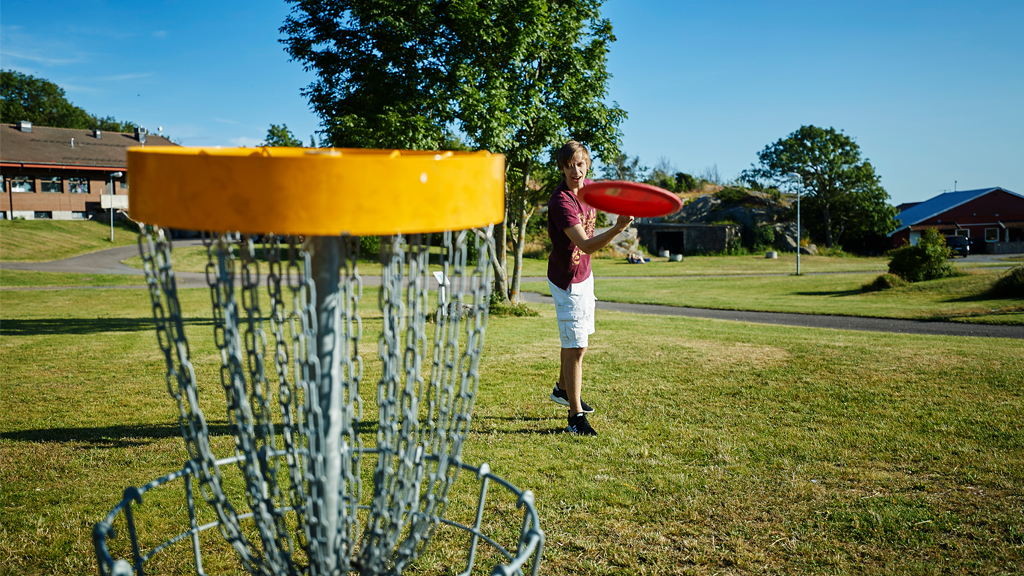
<point x="517" y="77"/>
<point x="43" y="103"/>
<point x="844" y="196"/>
<point x="282" y="136"/>
<point x="620" y="167"/>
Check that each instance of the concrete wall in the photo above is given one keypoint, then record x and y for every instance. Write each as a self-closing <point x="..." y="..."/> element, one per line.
<point x="687" y="238"/>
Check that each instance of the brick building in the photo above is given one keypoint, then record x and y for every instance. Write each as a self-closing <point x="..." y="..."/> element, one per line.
<point x="993" y="218"/>
<point x="61" y="173"/>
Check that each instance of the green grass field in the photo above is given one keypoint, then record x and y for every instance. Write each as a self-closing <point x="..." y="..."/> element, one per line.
<point x="46" y="240"/>
<point x="960" y="298"/>
<point x="26" y="278"/>
<point x="725" y="448"/>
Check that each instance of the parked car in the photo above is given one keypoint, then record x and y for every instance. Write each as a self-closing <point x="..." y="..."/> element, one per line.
<point x="960" y="245"/>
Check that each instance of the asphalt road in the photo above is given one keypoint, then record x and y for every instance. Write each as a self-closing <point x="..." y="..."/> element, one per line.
<point x="109" y="262"/>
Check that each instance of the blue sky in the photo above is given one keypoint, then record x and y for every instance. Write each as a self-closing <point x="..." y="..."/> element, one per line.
<point x="932" y="91"/>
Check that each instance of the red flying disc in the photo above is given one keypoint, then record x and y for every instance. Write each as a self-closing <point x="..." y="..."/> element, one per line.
<point x="631" y="198"/>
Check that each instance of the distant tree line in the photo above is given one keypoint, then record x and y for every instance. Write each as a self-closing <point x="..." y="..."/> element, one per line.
<point x="43" y="103"/>
<point x="844" y="203"/>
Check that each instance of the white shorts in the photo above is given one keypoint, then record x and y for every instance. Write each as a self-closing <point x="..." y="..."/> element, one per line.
<point x="575" y="311"/>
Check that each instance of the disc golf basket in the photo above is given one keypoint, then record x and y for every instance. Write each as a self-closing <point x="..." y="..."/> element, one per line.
<point x="302" y="490"/>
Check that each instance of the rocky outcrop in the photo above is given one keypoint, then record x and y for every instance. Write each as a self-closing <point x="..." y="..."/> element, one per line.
<point x="625" y="243"/>
<point x="707" y="208"/>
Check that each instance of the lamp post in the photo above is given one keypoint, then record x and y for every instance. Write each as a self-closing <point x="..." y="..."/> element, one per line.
<point x="794" y="177"/>
<point x="118" y="175"/>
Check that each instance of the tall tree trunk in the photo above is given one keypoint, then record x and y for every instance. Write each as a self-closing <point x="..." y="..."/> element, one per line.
<point x="519" y="242"/>
<point x="826" y="220"/>
<point x="500" y="267"/>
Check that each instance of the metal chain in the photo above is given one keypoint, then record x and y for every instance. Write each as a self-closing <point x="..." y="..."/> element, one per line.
<point x="423" y="418"/>
<point x="350" y="490"/>
<point x="181" y="384"/>
<point x="289" y="397"/>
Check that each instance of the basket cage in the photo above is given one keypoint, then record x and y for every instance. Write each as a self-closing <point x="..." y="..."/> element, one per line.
<point x="302" y="492"/>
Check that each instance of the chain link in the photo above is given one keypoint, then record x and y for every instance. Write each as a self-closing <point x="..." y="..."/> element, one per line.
<point x="424" y="403"/>
<point x="181" y="384"/>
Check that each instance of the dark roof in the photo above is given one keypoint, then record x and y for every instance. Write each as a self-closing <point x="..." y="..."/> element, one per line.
<point x="52" y="146"/>
<point x="939" y="204"/>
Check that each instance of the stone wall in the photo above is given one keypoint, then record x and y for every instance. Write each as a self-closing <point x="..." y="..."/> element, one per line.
<point x="687" y="238"/>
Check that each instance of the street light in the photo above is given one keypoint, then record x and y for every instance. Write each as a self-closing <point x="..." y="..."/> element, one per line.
<point x="794" y="177"/>
<point x="116" y="175"/>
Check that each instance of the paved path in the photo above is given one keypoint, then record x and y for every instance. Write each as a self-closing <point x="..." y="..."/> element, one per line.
<point x="811" y="320"/>
<point x="109" y="262"/>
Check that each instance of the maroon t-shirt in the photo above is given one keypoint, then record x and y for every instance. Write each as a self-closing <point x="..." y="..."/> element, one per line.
<point x="567" y="264"/>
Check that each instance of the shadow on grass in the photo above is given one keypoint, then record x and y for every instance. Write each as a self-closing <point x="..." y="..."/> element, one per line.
<point x="52" y="326"/>
<point x="118" y="436"/>
<point x="487" y="427"/>
<point x="979" y="297"/>
<point x="833" y="293"/>
<point x="127" y="435"/>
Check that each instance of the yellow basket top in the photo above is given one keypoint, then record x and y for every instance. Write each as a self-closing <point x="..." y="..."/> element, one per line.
<point x="319" y="192"/>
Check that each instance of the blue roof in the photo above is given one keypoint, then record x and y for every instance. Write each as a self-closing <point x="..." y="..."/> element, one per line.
<point x="939" y="204"/>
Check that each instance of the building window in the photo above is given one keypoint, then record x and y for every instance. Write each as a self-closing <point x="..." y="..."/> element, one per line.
<point x="78" y="185"/>
<point x="54" y="184"/>
<point x="23" y="184"/>
<point x="76" y="215"/>
<point x="43" y="215"/>
<point x="124" y="184"/>
<point x="991" y="234"/>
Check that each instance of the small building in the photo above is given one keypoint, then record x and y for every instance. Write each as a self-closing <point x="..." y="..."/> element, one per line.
<point x="993" y="218"/>
<point x="61" y="173"/>
<point x="687" y="238"/>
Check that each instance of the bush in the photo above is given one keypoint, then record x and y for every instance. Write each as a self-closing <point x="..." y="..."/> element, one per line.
<point x="834" y="252"/>
<point x="685" y="182"/>
<point x="764" y="236"/>
<point x="926" y="261"/>
<point x="884" y="282"/>
<point x="1010" y="285"/>
<point x="733" y="195"/>
<point x="498" y="307"/>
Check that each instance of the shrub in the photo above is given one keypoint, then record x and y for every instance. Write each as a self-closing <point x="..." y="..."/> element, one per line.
<point x="764" y="236"/>
<point x="835" y="251"/>
<point x="369" y="247"/>
<point x="498" y="307"/>
<point x="926" y="261"/>
<point x="884" y="282"/>
<point x="732" y="195"/>
<point x="685" y="182"/>
<point x="1011" y="284"/>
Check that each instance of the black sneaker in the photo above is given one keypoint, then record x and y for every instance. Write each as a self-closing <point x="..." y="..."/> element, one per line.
<point x="558" y="395"/>
<point x="578" y="425"/>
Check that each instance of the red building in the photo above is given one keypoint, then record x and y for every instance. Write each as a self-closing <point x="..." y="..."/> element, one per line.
<point x="993" y="218"/>
<point x="60" y="173"/>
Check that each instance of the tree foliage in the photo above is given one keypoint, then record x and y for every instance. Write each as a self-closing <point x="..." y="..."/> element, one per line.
<point x="517" y="77"/>
<point x="622" y="167"/>
<point x="43" y="103"/>
<point x="282" y="136"/>
<point x="844" y="197"/>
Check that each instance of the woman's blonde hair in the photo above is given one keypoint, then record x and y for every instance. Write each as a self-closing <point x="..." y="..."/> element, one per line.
<point x="569" y="151"/>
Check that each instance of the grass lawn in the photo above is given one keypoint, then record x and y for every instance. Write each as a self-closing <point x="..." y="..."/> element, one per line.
<point x="46" y="240"/>
<point x="738" y="265"/>
<point x="958" y="299"/>
<point x="725" y="448"/>
<point x="20" y="278"/>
